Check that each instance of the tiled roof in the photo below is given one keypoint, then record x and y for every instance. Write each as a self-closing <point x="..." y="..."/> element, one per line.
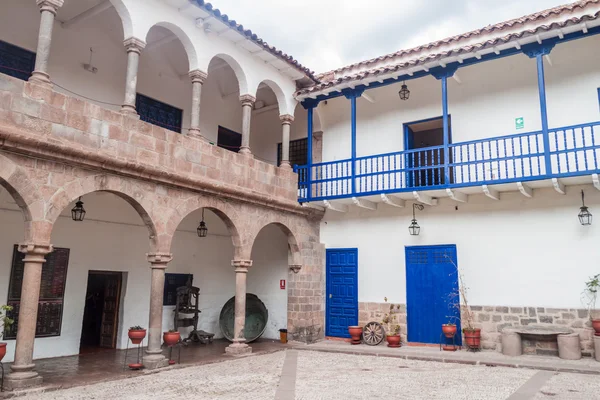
<point x="216" y="13"/>
<point x="328" y="79"/>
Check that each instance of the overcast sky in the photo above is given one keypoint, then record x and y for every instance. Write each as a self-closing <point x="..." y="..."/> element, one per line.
<point x="327" y="34"/>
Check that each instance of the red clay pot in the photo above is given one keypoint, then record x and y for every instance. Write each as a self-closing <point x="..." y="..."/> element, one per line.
<point x="137" y="336"/>
<point x="393" y="340"/>
<point x="2" y="350"/>
<point x="449" y="330"/>
<point x="355" y="333"/>
<point x="171" y="338"/>
<point x="473" y="338"/>
<point x="596" y="326"/>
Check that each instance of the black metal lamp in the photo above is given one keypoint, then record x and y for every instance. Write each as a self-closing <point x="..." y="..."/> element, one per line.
<point x="414" y="229"/>
<point x="78" y="212"/>
<point x="202" y="229"/>
<point x="404" y="93"/>
<point x="585" y="216"/>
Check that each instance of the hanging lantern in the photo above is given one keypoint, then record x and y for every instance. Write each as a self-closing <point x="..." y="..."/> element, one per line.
<point x="414" y="229"/>
<point x="404" y="93"/>
<point x="202" y="229"/>
<point x="585" y="216"/>
<point x="78" y="212"/>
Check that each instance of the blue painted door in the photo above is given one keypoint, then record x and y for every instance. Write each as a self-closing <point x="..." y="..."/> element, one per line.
<point x="342" y="291"/>
<point x="431" y="292"/>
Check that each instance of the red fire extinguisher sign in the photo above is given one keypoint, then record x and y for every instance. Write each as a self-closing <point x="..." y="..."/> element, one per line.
<point x="282" y="284"/>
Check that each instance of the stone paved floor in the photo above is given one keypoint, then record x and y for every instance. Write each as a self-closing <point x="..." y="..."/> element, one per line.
<point x="316" y="375"/>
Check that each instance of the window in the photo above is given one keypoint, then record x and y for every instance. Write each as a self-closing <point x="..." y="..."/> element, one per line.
<point x="159" y="113"/>
<point x="298" y="152"/>
<point x="172" y="282"/>
<point x="15" y="61"/>
<point x="229" y="139"/>
<point x="52" y="292"/>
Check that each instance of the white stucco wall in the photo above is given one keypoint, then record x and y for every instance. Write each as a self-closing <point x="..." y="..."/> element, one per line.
<point x="112" y="238"/>
<point x="513" y="252"/>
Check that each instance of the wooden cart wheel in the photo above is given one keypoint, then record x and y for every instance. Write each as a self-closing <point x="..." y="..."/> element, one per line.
<point x="373" y="333"/>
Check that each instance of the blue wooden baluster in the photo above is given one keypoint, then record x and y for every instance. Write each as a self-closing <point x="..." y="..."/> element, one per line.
<point x="585" y="157"/>
<point x="593" y="144"/>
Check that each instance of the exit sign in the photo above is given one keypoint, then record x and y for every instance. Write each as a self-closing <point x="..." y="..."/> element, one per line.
<point x="519" y="123"/>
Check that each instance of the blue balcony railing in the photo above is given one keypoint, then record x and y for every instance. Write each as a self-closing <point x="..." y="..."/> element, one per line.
<point x="574" y="150"/>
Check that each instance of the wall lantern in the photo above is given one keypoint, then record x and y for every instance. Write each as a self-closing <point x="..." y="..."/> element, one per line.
<point x="78" y="212"/>
<point x="404" y="93"/>
<point x="585" y="216"/>
<point x="414" y="229"/>
<point x="202" y="229"/>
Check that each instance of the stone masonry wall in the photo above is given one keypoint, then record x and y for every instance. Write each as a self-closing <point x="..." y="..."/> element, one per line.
<point x="368" y="312"/>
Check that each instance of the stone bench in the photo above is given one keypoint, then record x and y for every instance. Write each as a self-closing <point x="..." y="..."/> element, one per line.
<point x="568" y="341"/>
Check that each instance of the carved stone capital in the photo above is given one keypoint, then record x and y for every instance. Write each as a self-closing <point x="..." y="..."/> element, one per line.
<point x="247" y="100"/>
<point x="241" y="266"/>
<point x="295" y="268"/>
<point x="35" y="252"/>
<point x="50" y="5"/>
<point x="159" y="260"/>
<point x="134" y="45"/>
<point x="198" y="76"/>
<point x="286" y="119"/>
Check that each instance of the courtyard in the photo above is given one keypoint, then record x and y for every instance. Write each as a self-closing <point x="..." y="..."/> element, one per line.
<point x="305" y="374"/>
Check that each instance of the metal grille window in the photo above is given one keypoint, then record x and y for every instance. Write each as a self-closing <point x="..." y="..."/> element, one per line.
<point x="159" y="113"/>
<point x="15" y="61"/>
<point x="298" y="152"/>
<point x="172" y="282"/>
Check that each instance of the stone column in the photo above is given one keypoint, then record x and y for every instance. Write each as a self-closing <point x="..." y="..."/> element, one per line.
<point x="247" y="105"/>
<point x="239" y="345"/>
<point x="198" y="78"/>
<point x="286" y="122"/>
<point x="134" y="48"/>
<point x="48" y="9"/>
<point x="23" y="374"/>
<point x="154" y="358"/>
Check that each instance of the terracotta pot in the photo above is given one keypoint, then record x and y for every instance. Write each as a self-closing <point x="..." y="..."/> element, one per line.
<point x="596" y="326"/>
<point x="2" y="350"/>
<point x="171" y="338"/>
<point x="355" y="333"/>
<point x="473" y="338"/>
<point x="449" y="330"/>
<point x="137" y="336"/>
<point x="393" y="340"/>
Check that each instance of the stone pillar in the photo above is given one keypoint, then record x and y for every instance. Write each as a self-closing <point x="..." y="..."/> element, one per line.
<point x="48" y="9"/>
<point x="198" y="78"/>
<point x="247" y="105"/>
<point x="154" y="358"/>
<point x="23" y="374"/>
<point x="134" y="48"/>
<point x="239" y="345"/>
<point x="286" y="122"/>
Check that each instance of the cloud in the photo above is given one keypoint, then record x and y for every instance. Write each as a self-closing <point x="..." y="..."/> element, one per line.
<point x="328" y="34"/>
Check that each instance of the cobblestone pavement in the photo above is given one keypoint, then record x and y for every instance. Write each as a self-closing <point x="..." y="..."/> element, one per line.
<point x="311" y="375"/>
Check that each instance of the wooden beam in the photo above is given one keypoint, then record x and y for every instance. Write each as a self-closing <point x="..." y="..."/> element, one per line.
<point x="87" y="14"/>
<point x="596" y="180"/>
<point x="362" y="203"/>
<point x="491" y="193"/>
<point x="457" y="78"/>
<point x="335" y="207"/>
<point x="525" y="190"/>
<point x="367" y="97"/>
<point x="425" y="199"/>
<point x="547" y="57"/>
<point x="457" y="196"/>
<point x="392" y="200"/>
<point x="558" y="186"/>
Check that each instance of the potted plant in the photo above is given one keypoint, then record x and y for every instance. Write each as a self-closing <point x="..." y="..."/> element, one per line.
<point x="449" y="330"/>
<point x="391" y="323"/>
<point x="355" y="333"/>
<point x="592" y="286"/>
<point x="171" y="337"/>
<point x="137" y="334"/>
<point x="5" y="322"/>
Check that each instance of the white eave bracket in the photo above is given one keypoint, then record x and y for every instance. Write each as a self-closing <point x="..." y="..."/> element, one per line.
<point x="491" y="193"/>
<point x="596" y="181"/>
<point x="525" y="190"/>
<point x="457" y="196"/>
<point x="392" y="200"/>
<point x="335" y="207"/>
<point x="425" y="199"/>
<point x="362" y="203"/>
<point x="558" y="186"/>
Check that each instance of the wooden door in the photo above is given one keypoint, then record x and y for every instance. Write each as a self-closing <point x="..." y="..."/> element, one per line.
<point x="110" y="310"/>
<point x="342" y="291"/>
